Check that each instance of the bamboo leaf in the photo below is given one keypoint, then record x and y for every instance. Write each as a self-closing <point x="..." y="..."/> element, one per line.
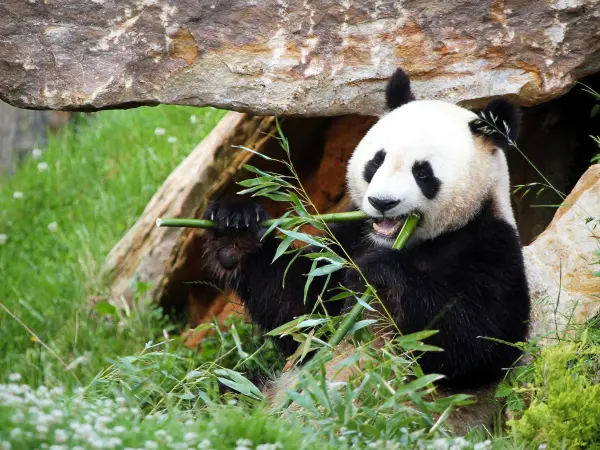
<point x="325" y="270"/>
<point x="303" y="237"/>
<point x="311" y="323"/>
<point x="309" y="280"/>
<point x="361" y="324"/>
<point x="236" y="381"/>
<point x="283" y="246"/>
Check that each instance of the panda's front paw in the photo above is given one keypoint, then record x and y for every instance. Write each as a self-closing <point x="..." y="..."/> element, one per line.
<point x="232" y="218"/>
<point x="237" y="233"/>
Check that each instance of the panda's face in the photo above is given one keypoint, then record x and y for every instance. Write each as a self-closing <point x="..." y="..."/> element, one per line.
<point x="422" y="157"/>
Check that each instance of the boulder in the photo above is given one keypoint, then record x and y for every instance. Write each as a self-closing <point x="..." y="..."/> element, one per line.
<point x="290" y="57"/>
<point x="561" y="262"/>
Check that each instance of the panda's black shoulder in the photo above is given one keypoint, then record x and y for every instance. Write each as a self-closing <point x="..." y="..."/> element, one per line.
<point x="488" y="245"/>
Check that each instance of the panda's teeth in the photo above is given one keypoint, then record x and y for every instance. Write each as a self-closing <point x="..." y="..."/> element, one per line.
<point x="387" y="227"/>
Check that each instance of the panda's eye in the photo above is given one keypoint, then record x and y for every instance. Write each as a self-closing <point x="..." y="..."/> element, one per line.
<point x="372" y="165"/>
<point x="422" y="175"/>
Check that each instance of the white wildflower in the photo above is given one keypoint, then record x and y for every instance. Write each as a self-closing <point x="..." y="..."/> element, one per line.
<point x="42" y="167"/>
<point x="440" y="444"/>
<point x="159" y="131"/>
<point x="119" y="429"/>
<point x="16" y="433"/>
<point x="172" y="139"/>
<point x="53" y="226"/>
<point x="189" y="423"/>
<point x="542" y="447"/>
<point x="243" y="443"/>
<point x="151" y="445"/>
<point x="18" y="416"/>
<point x="60" y="436"/>
<point x="14" y="377"/>
<point x="42" y="429"/>
<point x="485" y="445"/>
<point x="190" y="436"/>
<point x="114" y="442"/>
<point x="232" y="402"/>
<point x="148" y="345"/>
<point x="160" y="434"/>
<point x="193" y="118"/>
<point x="5" y="445"/>
<point x="36" y="153"/>
<point x="205" y="444"/>
<point x="17" y="194"/>
<point x="3" y="238"/>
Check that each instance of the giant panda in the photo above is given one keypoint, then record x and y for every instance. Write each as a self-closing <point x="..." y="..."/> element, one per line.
<point x="462" y="272"/>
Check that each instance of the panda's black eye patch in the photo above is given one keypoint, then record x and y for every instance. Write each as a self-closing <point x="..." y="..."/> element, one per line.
<point x="425" y="178"/>
<point x="374" y="164"/>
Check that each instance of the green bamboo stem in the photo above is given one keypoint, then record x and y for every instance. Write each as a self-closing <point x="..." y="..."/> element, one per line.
<point x="355" y="313"/>
<point x="201" y="223"/>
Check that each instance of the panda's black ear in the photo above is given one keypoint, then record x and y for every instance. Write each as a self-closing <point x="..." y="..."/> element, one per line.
<point x="500" y="122"/>
<point x="397" y="92"/>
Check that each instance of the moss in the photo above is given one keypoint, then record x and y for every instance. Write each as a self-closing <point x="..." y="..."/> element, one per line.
<point x="565" y="408"/>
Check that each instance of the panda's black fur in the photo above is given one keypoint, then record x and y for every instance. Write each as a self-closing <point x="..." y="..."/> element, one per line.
<point x="469" y="283"/>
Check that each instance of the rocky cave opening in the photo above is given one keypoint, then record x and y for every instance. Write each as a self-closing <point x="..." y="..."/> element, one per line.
<point x="555" y="137"/>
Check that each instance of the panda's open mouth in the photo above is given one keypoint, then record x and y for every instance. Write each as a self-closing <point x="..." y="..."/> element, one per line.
<point x="388" y="227"/>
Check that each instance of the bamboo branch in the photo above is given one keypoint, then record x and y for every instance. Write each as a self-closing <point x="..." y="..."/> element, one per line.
<point x="352" y="317"/>
<point x="327" y="218"/>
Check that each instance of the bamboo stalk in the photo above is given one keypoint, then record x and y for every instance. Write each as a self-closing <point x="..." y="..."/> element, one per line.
<point x="202" y="223"/>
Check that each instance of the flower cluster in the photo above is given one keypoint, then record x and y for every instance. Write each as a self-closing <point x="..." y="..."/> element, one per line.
<point x="54" y="419"/>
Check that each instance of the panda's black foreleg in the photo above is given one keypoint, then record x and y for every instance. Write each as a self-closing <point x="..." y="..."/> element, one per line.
<point x="242" y="261"/>
<point x="464" y="309"/>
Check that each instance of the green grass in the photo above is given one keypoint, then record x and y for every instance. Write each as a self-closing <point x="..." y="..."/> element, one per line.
<point x="131" y="383"/>
<point x="100" y="175"/>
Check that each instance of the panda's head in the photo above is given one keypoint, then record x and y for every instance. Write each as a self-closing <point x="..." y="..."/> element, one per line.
<point x="434" y="158"/>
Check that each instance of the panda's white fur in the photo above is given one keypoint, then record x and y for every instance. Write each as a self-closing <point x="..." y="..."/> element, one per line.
<point x="437" y="132"/>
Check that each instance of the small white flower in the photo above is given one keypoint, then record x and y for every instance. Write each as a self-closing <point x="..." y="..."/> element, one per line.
<point x="243" y="443"/>
<point x="3" y="238"/>
<point x="16" y="433"/>
<point x="53" y="226"/>
<point x="14" y="377"/>
<point x="5" y="445"/>
<point x="189" y="423"/>
<point x="42" y="167"/>
<point x="232" y="402"/>
<point x="159" y="131"/>
<point x="486" y="445"/>
<point x="17" y="194"/>
<point x="42" y="429"/>
<point x="60" y="436"/>
<point x="148" y="344"/>
<point x="172" y="139"/>
<point x="193" y="118"/>
<point x="119" y="429"/>
<point x="190" y="436"/>
<point x="36" y="153"/>
<point x="151" y="445"/>
<point x="542" y="447"/>
<point x="18" y="416"/>
<point x="204" y="444"/>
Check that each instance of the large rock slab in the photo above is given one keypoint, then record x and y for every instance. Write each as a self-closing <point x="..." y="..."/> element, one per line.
<point x="561" y="263"/>
<point x="296" y="57"/>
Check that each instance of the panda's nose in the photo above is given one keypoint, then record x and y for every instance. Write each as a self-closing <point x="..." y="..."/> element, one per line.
<point x="382" y="204"/>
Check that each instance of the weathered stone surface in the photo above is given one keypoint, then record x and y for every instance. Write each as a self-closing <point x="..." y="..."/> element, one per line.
<point x="289" y="56"/>
<point x="561" y="262"/>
